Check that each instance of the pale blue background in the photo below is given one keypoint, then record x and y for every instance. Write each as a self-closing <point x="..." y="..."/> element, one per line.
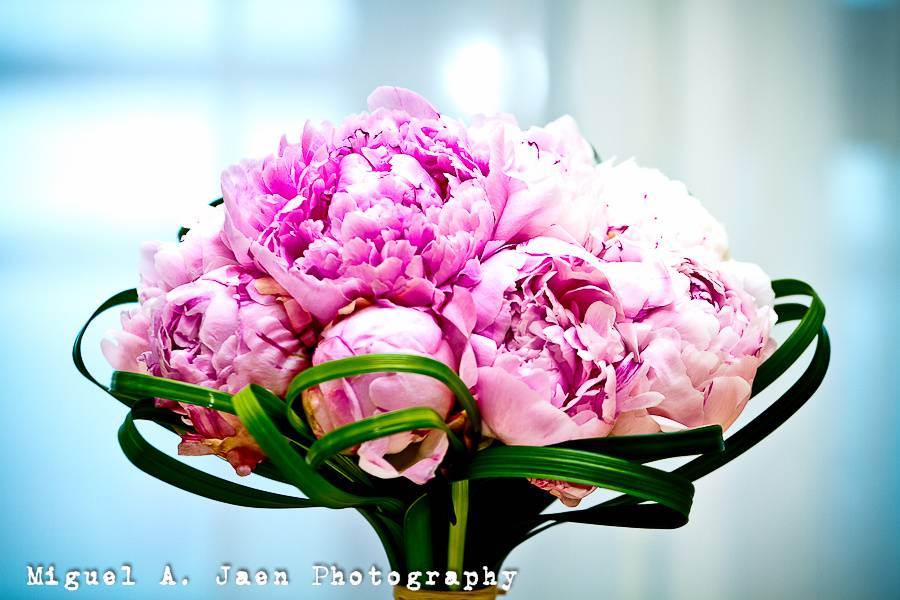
<point x="784" y="117"/>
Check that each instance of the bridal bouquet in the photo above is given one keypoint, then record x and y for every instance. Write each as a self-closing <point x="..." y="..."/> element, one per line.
<point x="447" y="327"/>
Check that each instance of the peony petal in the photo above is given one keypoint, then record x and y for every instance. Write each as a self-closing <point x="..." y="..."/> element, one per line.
<point x="419" y="466"/>
<point x="123" y="351"/>
<point x="397" y="98"/>
<point x="725" y="398"/>
<point x="516" y="414"/>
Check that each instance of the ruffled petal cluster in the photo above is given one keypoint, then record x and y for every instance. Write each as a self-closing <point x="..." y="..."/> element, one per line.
<point x="390" y="204"/>
<point x="706" y="348"/>
<point x="223" y="328"/>
<point x="640" y="205"/>
<point x="553" y="341"/>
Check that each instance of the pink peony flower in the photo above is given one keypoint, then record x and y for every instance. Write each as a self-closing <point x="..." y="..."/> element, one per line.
<point x="229" y="328"/>
<point x="225" y="329"/>
<point x="533" y="177"/>
<point x="389" y="204"/>
<point x="393" y="330"/>
<point x="705" y="349"/>
<point x="571" y="346"/>
<point x="702" y="351"/>
<point x="167" y="265"/>
<point x="551" y="341"/>
<point x="400" y="203"/>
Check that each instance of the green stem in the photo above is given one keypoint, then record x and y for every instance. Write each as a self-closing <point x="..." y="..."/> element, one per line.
<point x="456" y="543"/>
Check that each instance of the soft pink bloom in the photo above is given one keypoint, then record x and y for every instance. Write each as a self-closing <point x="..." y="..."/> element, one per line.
<point x="392" y="330"/>
<point x="704" y="350"/>
<point x="552" y="341"/>
<point x="571" y="345"/>
<point x="390" y="204"/>
<point x="167" y="265"/>
<point x="226" y="329"/>
<point x="229" y="328"/>
<point x="533" y="177"/>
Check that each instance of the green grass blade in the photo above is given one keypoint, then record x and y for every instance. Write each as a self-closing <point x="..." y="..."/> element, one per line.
<point x="653" y="446"/>
<point x="456" y="539"/>
<point x="802" y="336"/>
<point x="274" y="407"/>
<point x="124" y="297"/>
<point x="139" y="385"/>
<point x="577" y="466"/>
<point x="165" y="468"/>
<point x="790" y="311"/>
<point x="370" y="428"/>
<point x="291" y="464"/>
<point x="386" y="363"/>
<point x="146" y="410"/>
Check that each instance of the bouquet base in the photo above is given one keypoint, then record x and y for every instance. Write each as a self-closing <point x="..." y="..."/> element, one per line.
<point x="402" y="593"/>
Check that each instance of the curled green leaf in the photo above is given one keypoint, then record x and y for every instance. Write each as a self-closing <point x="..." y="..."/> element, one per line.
<point x="139" y="385"/>
<point x="385" y="363"/>
<point x="123" y="297"/>
<point x="292" y="464"/>
<point x="172" y="471"/>
<point x="587" y="468"/>
<point x="653" y="446"/>
<point x="370" y="428"/>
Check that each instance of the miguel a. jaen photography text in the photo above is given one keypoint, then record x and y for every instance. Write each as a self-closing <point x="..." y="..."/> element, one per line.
<point x="332" y="575"/>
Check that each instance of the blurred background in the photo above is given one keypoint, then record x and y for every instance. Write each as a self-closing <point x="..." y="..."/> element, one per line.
<point x="783" y="117"/>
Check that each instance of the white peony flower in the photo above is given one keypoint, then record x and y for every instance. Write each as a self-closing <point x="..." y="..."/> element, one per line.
<point x="642" y="205"/>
